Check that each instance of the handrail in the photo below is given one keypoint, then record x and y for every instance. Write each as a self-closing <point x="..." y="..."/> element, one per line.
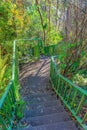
<point x="8" y="100"/>
<point x="74" y="97"/>
<point x="5" y="94"/>
<point x="67" y="91"/>
<point x="13" y="66"/>
<point x="67" y="80"/>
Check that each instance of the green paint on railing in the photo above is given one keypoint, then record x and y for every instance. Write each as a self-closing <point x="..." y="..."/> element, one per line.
<point x="50" y="50"/>
<point x="67" y="91"/>
<point x="69" y="94"/>
<point x="9" y="98"/>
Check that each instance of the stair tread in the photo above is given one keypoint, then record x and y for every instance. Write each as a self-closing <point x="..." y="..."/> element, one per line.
<point x="39" y="91"/>
<point x="68" y="125"/>
<point x="41" y="99"/>
<point x="40" y="95"/>
<point x="47" y="119"/>
<point x="44" y="111"/>
<point x="37" y="105"/>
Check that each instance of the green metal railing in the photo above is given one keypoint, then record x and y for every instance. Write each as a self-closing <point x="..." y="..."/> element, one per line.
<point x="9" y="98"/>
<point x="51" y="50"/>
<point x="29" y="47"/>
<point x="74" y="97"/>
<point x="7" y="108"/>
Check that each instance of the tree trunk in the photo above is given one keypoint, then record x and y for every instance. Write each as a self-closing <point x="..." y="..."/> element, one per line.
<point x="49" y="2"/>
<point x="57" y="12"/>
<point x="41" y="18"/>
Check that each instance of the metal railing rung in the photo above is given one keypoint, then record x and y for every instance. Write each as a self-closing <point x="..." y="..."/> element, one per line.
<point x="74" y="97"/>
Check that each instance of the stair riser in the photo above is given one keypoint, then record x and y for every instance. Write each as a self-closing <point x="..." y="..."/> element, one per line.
<point x="48" y="119"/>
<point x="43" y="105"/>
<point x="44" y="111"/>
<point x="68" y="125"/>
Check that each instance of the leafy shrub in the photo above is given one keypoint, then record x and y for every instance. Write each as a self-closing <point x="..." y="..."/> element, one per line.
<point x="3" y="67"/>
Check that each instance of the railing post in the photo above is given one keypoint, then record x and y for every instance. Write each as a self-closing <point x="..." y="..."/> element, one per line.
<point x="69" y="94"/>
<point x="80" y="104"/>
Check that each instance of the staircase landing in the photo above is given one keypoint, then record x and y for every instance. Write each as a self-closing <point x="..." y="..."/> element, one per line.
<point x="44" y="110"/>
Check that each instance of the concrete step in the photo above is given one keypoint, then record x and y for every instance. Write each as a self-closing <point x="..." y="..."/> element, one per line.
<point x="47" y="119"/>
<point x="36" y="95"/>
<point x="44" y="111"/>
<point x="68" y="125"/>
<point x="41" y="99"/>
<point x="39" y="90"/>
<point x="37" y="105"/>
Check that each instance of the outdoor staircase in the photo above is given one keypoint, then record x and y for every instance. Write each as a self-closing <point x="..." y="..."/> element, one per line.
<point x="44" y="110"/>
<point x="41" y="84"/>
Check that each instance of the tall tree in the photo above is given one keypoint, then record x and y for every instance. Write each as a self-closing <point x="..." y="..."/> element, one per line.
<point x="41" y="18"/>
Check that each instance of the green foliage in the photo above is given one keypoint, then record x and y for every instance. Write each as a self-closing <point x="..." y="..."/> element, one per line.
<point x="3" y="67"/>
<point x="53" y="37"/>
<point x="72" y="62"/>
<point x="20" y="105"/>
<point x="34" y="28"/>
<point x="6" y="21"/>
<point x="12" y="25"/>
<point x="80" y="80"/>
